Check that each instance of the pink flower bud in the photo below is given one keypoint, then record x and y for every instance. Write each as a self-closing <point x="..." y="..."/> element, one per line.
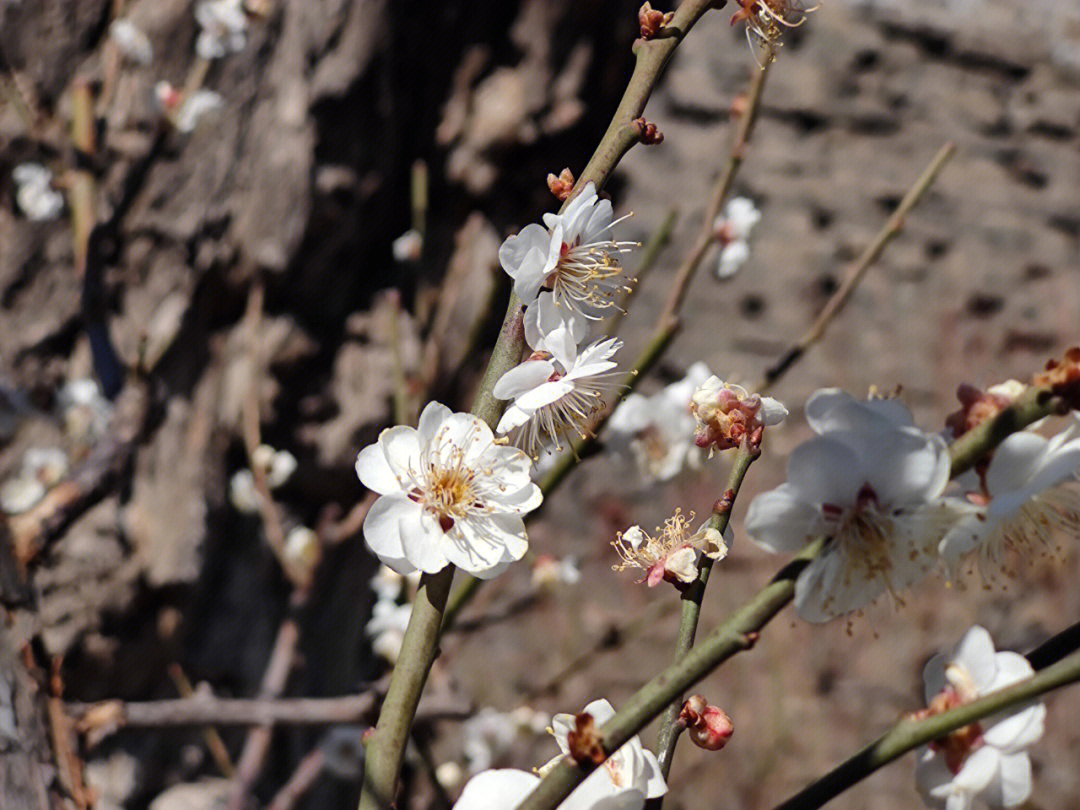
<point x="708" y="726"/>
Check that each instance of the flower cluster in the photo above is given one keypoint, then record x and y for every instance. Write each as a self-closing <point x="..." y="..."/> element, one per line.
<point x="34" y="192"/>
<point x="726" y="414"/>
<point x="987" y="759"/>
<point x="567" y="273"/>
<point x="625" y="779"/>
<point x="449" y="494"/>
<point x="874" y="485"/>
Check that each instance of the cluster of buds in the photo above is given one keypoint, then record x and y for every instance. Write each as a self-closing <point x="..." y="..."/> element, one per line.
<point x="708" y="726"/>
<point x="648" y="132"/>
<point x="652" y="21"/>
<point x="726" y="414"/>
<point x="561" y="185"/>
<point x="674" y="555"/>
<point x="1064" y="376"/>
<point x="976" y="405"/>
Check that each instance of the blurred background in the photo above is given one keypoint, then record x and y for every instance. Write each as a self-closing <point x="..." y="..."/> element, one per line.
<point x="324" y="237"/>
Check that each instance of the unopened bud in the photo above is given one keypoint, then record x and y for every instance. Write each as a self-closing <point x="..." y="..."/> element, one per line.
<point x="584" y="740"/>
<point x="562" y="185"/>
<point x="651" y="20"/>
<point x="648" y="131"/>
<point x="708" y="726"/>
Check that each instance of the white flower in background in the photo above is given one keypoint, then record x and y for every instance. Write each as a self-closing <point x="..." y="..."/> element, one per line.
<point x="984" y="760"/>
<point x="386" y="628"/>
<point x="34" y="193"/>
<point x="549" y="571"/>
<point x="131" y="41"/>
<point x="84" y="409"/>
<point x="658" y="430"/>
<point x="407" y="247"/>
<point x="732" y="230"/>
<point x="302" y="553"/>
<point x="278" y="465"/>
<point x="450" y="495"/>
<point x="556" y="391"/>
<point x="623" y="782"/>
<point x="48" y="465"/>
<point x="870" y="483"/>
<point x="1019" y="504"/>
<point x="242" y="493"/>
<point x="573" y="254"/>
<point x="674" y="554"/>
<point x="726" y="413"/>
<point x="488" y="734"/>
<point x="224" y="28"/>
<point x="391" y="586"/>
<point x="20" y="494"/>
<point x="185" y="111"/>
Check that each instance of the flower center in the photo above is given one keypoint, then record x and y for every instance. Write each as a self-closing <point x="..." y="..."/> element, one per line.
<point x="587" y="274"/>
<point x="958" y="745"/>
<point x="865" y="530"/>
<point x="450" y="494"/>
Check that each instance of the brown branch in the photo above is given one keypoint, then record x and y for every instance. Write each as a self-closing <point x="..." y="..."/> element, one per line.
<point x="301" y="781"/>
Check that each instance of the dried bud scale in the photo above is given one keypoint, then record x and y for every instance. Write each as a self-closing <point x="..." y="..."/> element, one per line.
<point x="651" y="20"/>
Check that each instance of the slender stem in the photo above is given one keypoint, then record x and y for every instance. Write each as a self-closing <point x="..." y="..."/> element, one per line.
<point x="668" y="737"/>
<point x="909" y="734"/>
<point x="739" y="632"/>
<point x="721" y="191"/>
<point x="856" y="271"/>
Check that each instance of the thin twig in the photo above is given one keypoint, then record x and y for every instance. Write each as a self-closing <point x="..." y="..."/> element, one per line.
<point x="740" y="631"/>
<point x="909" y="733"/>
<point x="720" y="193"/>
<point x="387" y="747"/>
<point x="668" y="736"/>
<point x="213" y="739"/>
<point x="858" y="269"/>
<point x="303" y="778"/>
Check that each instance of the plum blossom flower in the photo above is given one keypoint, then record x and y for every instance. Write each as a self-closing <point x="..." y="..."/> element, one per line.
<point x="556" y="390"/>
<point x="185" y="110"/>
<point x="725" y="413"/>
<point x="34" y="193"/>
<point x="131" y="41"/>
<point x="572" y="254"/>
<point x="549" y="571"/>
<point x="658" y="429"/>
<point x="766" y="19"/>
<point x="224" y="28"/>
<point x="623" y="782"/>
<point x="674" y="554"/>
<point x="986" y="759"/>
<point x="489" y="734"/>
<point x="449" y="495"/>
<point x="870" y="482"/>
<point x="732" y="230"/>
<point x="1019" y="502"/>
<point x="546" y="321"/>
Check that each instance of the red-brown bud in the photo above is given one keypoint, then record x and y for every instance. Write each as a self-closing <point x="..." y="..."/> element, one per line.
<point x="650" y="135"/>
<point x="562" y="185"/>
<point x="651" y="20"/>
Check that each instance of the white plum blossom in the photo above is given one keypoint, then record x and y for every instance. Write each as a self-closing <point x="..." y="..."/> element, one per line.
<point x="449" y="495"/>
<point x="726" y="413"/>
<point x="34" y="193"/>
<point x="545" y="320"/>
<point x="1019" y="502"/>
<point x="391" y="586"/>
<point x="674" y="554"/>
<point x="407" y="247"/>
<point x="732" y="230"/>
<point x="623" y="782"/>
<point x="278" y="465"/>
<point x="131" y="41"/>
<point x="658" y="429"/>
<point x="985" y="760"/>
<point x="386" y="628"/>
<point x="489" y="734"/>
<point x="870" y="482"/>
<point x="186" y="110"/>
<point x="549" y="571"/>
<point x="556" y="390"/>
<point x="572" y="254"/>
<point x="224" y="28"/>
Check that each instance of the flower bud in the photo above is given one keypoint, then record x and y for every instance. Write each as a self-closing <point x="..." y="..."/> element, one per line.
<point x="708" y="726"/>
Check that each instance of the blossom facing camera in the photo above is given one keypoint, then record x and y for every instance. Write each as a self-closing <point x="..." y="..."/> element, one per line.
<point x="727" y="413"/>
<point x="871" y="483"/>
<point x="448" y="495"/>
<point x="224" y="28"/>
<point x="987" y="759"/>
<point x="674" y="555"/>
<point x="573" y="254"/>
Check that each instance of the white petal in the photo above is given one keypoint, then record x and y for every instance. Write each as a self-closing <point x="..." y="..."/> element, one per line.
<point x="931" y="772"/>
<point x="512" y="417"/>
<point x="830" y="409"/>
<point x="424" y="541"/>
<point x="1015" y="462"/>
<point x="966" y="534"/>
<point x="772" y="411"/>
<point x="514" y="250"/>
<point x="535" y="399"/>
<point x="401" y="447"/>
<point x="825" y="471"/>
<point x="1015" y="733"/>
<point x="780" y="521"/>
<point x="655" y="786"/>
<point x="631" y="415"/>
<point x="732" y="257"/>
<point x="1015" y="776"/>
<point x="382" y="530"/>
<point x="934" y="676"/>
<point x="496" y="790"/>
<point x="478" y="544"/>
<point x="907" y="466"/>
<point x="974" y="654"/>
<point x="601" y="710"/>
<point x="431" y="419"/>
<point x="1009" y="668"/>
<point x="522" y="378"/>
<point x="978" y="770"/>
<point x="375" y="472"/>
